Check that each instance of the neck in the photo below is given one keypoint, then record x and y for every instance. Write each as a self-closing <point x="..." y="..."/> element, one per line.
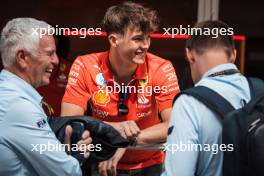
<point x="16" y="71"/>
<point x="208" y="61"/>
<point x="122" y="68"/>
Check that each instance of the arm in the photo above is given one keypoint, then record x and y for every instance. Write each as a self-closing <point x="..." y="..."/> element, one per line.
<point x="76" y="96"/>
<point x="185" y="131"/>
<point x="127" y="129"/>
<point x="33" y="141"/>
<point x="68" y="109"/>
<point x="165" y="77"/>
<point x="156" y="133"/>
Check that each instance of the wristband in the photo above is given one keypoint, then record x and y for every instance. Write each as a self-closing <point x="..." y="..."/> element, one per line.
<point x="133" y="142"/>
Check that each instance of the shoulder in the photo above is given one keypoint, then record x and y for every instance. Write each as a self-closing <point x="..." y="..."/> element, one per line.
<point x="25" y="116"/>
<point x="187" y="108"/>
<point x="87" y="66"/>
<point x="23" y="107"/>
<point x="161" y="71"/>
<point x="155" y="61"/>
<point x="88" y="59"/>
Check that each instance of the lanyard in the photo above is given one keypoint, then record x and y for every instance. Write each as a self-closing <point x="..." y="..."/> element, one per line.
<point x="225" y="72"/>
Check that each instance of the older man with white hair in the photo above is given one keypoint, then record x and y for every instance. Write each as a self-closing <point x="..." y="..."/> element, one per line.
<point x="27" y="144"/>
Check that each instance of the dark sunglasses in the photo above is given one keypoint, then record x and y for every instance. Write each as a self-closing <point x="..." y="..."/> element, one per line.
<point x="122" y="107"/>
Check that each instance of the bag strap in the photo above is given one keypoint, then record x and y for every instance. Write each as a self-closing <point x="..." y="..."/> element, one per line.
<point x="256" y="86"/>
<point x="210" y="98"/>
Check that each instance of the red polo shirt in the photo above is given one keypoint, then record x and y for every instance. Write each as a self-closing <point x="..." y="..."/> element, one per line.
<point x="152" y="90"/>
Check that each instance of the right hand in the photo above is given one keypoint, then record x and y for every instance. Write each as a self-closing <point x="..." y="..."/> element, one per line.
<point x="86" y="140"/>
<point x="128" y="129"/>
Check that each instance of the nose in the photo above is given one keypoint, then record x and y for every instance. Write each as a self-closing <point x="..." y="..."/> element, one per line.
<point x="55" y="59"/>
<point x="146" y="43"/>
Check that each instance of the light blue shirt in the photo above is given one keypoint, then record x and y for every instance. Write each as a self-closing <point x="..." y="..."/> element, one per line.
<point x="23" y="126"/>
<point x="195" y="124"/>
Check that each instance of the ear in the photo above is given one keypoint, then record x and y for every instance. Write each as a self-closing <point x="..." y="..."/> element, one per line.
<point x="21" y="59"/>
<point x="113" y="40"/>
<point x="189" y="55"/>
<point x="232" y="58"/>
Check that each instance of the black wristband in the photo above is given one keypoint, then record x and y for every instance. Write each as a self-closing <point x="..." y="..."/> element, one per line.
<point x="133" y="142"/>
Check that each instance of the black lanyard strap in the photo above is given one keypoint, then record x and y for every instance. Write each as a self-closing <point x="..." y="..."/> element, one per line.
<point x="225" y="72"/>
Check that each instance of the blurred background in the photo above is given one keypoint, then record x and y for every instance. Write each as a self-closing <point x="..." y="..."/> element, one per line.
<point x="246" y="17"/>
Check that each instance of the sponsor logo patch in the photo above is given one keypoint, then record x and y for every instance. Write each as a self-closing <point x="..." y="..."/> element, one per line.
<point x="100" y="79"/>
<point x="144" y="114"/>
<point x="143" y="82"/>
<point x="41" y="123"/>
<point x="99" y="113"/>
<point x="101" y="98"/>
<point x="143" y="100"/>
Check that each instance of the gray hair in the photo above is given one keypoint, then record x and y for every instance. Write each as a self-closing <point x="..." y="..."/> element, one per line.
<point x="21" y="33"/>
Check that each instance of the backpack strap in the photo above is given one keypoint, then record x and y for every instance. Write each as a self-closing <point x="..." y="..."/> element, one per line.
<point x="210" y="98"/>
<point x="256" y="87"/>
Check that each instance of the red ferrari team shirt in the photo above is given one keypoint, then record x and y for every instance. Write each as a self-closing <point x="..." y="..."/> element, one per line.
<point x="151" y="90"/>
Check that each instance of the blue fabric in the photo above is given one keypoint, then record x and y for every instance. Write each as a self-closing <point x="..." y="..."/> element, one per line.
<point x="23" y="125"/>
<point x="200" y="129"/>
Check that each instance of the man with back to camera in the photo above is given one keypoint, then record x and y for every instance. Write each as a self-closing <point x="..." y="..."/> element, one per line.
<point x="195" y="124"/>
<point x="134" y="114"/>
<point x="29" y="58"/>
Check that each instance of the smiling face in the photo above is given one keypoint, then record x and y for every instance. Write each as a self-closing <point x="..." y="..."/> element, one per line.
<point x="40" y="65"/>
<point x="133" y="45"/>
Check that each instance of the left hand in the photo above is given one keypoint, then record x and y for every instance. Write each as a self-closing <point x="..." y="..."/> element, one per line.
<point x="108" y="168"/>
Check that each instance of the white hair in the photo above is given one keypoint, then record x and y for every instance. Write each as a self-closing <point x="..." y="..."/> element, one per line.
<point x="21" y="33"/>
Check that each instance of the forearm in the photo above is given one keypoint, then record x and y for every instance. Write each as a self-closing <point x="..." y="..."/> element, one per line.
<point x="154" y="134"/>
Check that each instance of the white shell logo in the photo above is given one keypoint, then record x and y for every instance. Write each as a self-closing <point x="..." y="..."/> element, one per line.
<point x="100" y="79"/>
<point x="143" y="100"/>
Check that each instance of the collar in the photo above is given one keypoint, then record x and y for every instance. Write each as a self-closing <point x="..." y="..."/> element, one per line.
<point x="22" y="85"/>
<point x="219" y="68"/>
<point x="141" y="71"/>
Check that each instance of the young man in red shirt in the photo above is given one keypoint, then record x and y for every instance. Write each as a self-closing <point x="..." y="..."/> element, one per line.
<point x="144" y="85"/>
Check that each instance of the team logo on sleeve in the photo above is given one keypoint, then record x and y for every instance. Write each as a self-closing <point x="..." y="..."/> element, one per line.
<point x="101" y="98"/>
<point x="99" y="79"/>
<point x="41" y="123"/>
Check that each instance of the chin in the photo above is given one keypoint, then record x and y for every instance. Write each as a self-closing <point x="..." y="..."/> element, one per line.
<point x="139" y="61"/>
<point x="45" y="82"/>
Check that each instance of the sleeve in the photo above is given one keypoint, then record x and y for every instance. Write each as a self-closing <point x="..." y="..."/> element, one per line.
<point x="31" y="138"/>
<point x="166" y="80"/>
<point x="181" y="156"/>
<point x="77" y="91"/>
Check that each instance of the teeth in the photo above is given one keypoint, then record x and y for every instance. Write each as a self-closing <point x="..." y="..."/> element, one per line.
<point x="49" y="70"/>
<point x="139" y="52"/>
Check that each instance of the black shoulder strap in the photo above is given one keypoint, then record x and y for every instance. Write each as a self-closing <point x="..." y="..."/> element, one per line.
<point x="210" y="98"/>
<point x="256" y="86"/>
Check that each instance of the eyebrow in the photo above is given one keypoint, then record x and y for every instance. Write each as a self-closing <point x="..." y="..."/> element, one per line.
<point x="49" y="49"/>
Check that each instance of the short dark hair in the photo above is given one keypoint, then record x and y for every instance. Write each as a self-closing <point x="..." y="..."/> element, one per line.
<point x="200" y="42"/>
<point x="119" y="17"/>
